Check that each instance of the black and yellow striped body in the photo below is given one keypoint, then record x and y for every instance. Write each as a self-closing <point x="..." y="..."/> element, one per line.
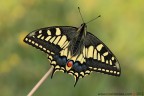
<point x="74" y="51"/>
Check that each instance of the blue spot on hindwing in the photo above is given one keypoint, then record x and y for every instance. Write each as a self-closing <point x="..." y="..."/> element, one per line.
<point x="77" y="67"/>
<point x="61" y="60"/>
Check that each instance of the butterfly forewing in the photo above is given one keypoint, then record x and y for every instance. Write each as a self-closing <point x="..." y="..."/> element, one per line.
<point x="51" y="39"/>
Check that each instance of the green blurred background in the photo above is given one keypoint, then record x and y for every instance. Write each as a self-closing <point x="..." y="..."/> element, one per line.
<point x="120" y="28"/>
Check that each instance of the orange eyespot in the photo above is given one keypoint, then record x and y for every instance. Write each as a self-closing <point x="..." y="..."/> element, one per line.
<point x="69" y="63"/>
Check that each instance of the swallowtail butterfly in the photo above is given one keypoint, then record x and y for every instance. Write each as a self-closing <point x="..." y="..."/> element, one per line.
<point x="74" y="50"/>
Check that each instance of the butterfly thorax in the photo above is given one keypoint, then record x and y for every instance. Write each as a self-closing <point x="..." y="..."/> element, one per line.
<point x="76" y="44"/>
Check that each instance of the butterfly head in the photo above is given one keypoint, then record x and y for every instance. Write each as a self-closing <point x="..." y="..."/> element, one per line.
<point x="82" y="29"/>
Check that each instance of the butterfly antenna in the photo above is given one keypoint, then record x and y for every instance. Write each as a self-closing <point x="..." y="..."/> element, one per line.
<point x="93" y="19"/>
<point x="80" y="14"/>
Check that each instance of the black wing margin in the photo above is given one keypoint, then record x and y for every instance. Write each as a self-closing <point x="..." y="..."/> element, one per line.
<point x="99" y="58"/>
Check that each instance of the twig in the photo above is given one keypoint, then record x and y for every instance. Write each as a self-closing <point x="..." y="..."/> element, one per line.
<point x="40" y="82"/>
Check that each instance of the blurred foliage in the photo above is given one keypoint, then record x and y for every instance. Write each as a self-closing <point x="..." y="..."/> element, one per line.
<point x="120" y="27"/>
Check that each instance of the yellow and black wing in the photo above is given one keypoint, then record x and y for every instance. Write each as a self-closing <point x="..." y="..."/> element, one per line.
<point x="99" y="58"/>
<point x="51" y="39"/>
<point x="94" y="56"/>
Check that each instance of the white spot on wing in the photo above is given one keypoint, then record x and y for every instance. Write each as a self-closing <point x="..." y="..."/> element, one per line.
<point x="48" y="51"/>
<point x="110" y="62"/>
<point x="57" y="67"/>
<point x="44" y="49"/>
<point x="52" y="53"/>
<point x="70" y="73"/>
<point x="106" y="61"/>
<point x="99" y="56"/>
<point x="82" y="73"/>
<point x="39" y="36"/>
<point x="52" y="39"/>
<point x="50" y="57"/>
<point x="29" y="40"/>
<point x="99" y="69"/>
<point x="90" y="52"/>
<point x="40" y="31"/>
<point x="95" y="68"/>
<point x="95" y="54"/>
<point x="58" y="32"/>
<point x="118" y="73"/>
<point x="65" y="44"/>
<point x="36" y="44"/>
<point x="42" y="37"/>
<point x="102" y="59"/>
<point x="26" y="39"/>
<point x="113" y="58"/>
<point x="53" y="62"/>
<point x="87" y="71"/>
<point x="48" y="32"/>
<point x="40" y="46"/>
<point x="62" y="40"/>
<point x="114" y="72"/>
<point x="48" y="38"/>
<point x="99" y="47"/>
<point x="107" y="70"/>
<point x="105" y="54"/>
<point x="111" y="71"/>
<point x="33" y="42"/>
<point x="56" y="40"/>
<point x="61" y="70"/>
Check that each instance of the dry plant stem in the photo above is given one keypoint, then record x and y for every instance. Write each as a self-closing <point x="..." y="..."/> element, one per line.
<point x="40" y="82"/>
